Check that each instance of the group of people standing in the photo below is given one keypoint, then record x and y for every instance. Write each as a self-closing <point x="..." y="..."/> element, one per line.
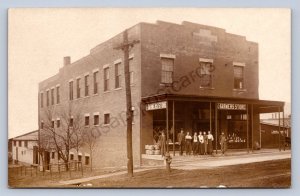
<point x="198" y="144"/>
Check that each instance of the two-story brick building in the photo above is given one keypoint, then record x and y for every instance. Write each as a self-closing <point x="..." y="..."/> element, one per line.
<point x="189" y="76"/>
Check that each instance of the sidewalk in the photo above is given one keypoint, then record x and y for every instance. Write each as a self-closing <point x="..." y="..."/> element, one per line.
<point x="198" y="162"/>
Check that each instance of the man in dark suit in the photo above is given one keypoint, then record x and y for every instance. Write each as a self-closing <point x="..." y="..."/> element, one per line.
<point x="181" y="139"/>
<point x="223" y="143"/>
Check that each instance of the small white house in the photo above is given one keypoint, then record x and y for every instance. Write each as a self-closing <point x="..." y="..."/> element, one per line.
<point x="25" y="148"/>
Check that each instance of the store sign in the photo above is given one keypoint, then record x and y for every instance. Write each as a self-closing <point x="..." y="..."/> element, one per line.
<point x="156" y="106"/>
<point x="231" y="106"/>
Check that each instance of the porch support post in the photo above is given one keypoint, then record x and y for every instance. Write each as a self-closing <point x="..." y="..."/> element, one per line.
<point x="167" y="125"/>
<point x="247" y="128"/>
<point x="216" y="127"/>
<point x="279" y="134"/>
<point x="210" y="117"/>
<point x="173" y="121"/>
<point x="252" y="141"/>
<point x="284" y="129"/>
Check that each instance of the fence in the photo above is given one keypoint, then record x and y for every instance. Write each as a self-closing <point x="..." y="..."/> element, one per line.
<point x="70" y="169"/>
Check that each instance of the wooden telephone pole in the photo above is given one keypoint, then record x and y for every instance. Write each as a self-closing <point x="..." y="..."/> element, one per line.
<point x="125" y="46"/>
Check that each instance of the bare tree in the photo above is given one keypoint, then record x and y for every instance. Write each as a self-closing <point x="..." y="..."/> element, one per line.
<point x="90" y="140"/>
<point x="64" y="136"/>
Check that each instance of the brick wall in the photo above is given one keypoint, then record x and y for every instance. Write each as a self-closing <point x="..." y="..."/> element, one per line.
<point x="183" y="42"/>
<point x="111" y="145"/>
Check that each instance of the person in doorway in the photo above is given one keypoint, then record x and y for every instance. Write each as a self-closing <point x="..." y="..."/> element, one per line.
<point x="205" y="142"/>
<point x="162" y="143"/>
<point x="181" y="139"/>
<point x="201" y="143"/>
<point x="195" y="144"/>
<point x="188" y="143"/>
<point x="210" y="139"/>
<point x="223" y="143"/>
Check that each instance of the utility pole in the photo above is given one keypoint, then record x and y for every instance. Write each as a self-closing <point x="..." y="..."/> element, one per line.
<point x="125" y="46"/>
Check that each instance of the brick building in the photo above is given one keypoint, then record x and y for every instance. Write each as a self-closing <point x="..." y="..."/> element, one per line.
<point x="187" y="75"/>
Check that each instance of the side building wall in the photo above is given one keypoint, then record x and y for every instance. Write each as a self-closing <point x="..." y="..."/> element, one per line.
<point x="110" y="148"/>
<point x="24" y="154"/>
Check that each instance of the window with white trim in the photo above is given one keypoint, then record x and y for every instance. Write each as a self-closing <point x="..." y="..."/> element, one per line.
<point x="96" y="119"/>
<point x="238" y="74"/>
<point x="57" y="95"/>
<point x="106" y="118"/>
<point x="206" y="74"/>
<point x="57" y="123"/>
<point x="87" y="160"/>
<point x="78" y="87"/>
<point x="95" y="75"/>
<point x="106" y="78"/>
<point x="71" y="90"/>
<point x="118" y="75"/>
<point x="52" y="96"/>
<point x="167" y="70"/>
<point x="42" y="100"/>
<point x="131" y="71"/>
<point x="47" y="94"/>
<point x="86" y="85"/>
<point x="87" y="120"/>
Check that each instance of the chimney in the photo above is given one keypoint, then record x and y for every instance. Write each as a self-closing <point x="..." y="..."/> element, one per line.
<point x="67" y="60"/>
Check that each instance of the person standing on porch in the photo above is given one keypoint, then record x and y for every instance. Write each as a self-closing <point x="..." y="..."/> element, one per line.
<point x="162" y="143"/>
<point x="223" y="143"/>
<point x="205" y="142"/>
<point x="201" y="143"/>
<point x="210" y="139"/>
<point x="188" y="142"/>
<point x="195" y="144"/>
<point x="181" y="138"/>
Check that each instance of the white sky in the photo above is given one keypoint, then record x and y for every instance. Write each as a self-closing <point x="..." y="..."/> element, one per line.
<point x="40" y="38"/>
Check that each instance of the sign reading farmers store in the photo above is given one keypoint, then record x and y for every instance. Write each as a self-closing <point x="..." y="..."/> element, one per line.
<point x="156" y="106"/>
<point x="231" y="106"/>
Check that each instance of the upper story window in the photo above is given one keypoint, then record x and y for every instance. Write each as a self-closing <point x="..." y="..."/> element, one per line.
<point x="47" y="94"/>
<point x="118" y="75"/>
<point x="15" y="143"/>
<point x="238" y="74"/>
<point x="106" y="78"/>
<point x="57" y="95"/>
<point x="131" y="70"/>
<point x="20" y="143"/>
<point x="71" y="90"/>
<point x="167" y="71"/>
<point x="86" y="85"/>
<point x="206" y="73"/>
<point x="95" y="74"/>
<point x="42" y="100"/>
<point x="42" y="125"/>
<point x="78" y="87"/>
<point x="52" y="96"/>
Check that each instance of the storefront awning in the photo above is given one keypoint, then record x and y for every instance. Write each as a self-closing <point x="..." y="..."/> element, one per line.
<point x="263" y="106"/>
